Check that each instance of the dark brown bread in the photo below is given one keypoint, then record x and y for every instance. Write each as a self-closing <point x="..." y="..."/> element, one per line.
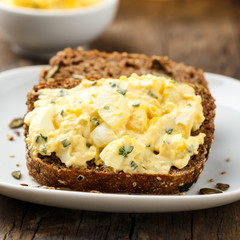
<point x="76" y="64"/>
<point x="51" y="172"/>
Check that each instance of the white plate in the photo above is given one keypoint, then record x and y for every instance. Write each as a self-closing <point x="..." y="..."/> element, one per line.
<point x="17" y="82"/>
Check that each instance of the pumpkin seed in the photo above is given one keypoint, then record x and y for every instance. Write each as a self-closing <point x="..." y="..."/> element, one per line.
<point x="16" y="123"/>
<point x="16" y="174"/>
<point x="222" y="186"/>
<point x="52" y="71"/>
<point x="209" y="191"/>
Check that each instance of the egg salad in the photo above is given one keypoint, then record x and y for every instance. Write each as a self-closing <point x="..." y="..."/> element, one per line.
<point x="136" y="124"/>
<point x="52" y="4"/>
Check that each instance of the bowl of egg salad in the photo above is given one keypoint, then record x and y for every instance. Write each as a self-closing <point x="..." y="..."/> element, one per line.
<point x="42" y="27"/>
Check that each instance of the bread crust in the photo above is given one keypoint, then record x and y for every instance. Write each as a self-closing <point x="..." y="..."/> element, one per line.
<point x="94" y="65"/>
<point x="50" y="171"/>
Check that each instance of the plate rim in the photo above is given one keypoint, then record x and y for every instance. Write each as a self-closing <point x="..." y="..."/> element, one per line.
<point x="225" y="196"/>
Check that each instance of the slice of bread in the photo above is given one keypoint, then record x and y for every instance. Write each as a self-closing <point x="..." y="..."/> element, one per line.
<point x="50" y="171"/>
<point x="74" y="65"/>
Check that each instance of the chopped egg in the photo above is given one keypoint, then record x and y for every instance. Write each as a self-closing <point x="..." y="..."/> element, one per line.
<point x="139" y="124"/>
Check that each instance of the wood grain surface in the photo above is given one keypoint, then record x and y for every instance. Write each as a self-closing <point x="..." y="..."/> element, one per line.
<point x="202" y="33"/>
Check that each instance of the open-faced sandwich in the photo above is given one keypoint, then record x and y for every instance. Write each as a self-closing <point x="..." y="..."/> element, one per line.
<point x="118" y="123"/>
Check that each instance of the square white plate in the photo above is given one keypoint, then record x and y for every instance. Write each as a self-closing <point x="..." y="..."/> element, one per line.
<point x="14" y="87"/>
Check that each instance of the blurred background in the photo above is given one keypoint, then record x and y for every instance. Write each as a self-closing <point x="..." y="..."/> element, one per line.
<point x="201" y="33"/>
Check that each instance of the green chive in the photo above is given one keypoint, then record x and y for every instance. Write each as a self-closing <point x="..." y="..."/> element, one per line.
<point x="62" y="93"/>
<point x="124" y="152"/>
<point x="65" y="143"/>
<point x="62" y="113"/>
<point x="94" y="83"/>
<point x="106" y="107"/>
<point x="95" y="121"/>
<point x="44" y="150"/>
<point x="39" y="137"/>
<point x="190" y="149"/>
<point x="169" y="130"/>
<point x="133" y="165"/>
<point x="122" y="91"/>
<point x="136" y="104"/>
<point x="88" y="145"/>
<point x="113" y="85"/>
<point x="152" y="94"/>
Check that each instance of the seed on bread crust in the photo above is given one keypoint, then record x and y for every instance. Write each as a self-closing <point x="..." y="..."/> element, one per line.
<point x="51" y="72"/>
<point x="80" y="178"/>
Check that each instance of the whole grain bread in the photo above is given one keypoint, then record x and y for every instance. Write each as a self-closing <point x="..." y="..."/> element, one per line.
<point x="50" y="171"/>
<point x="74" y="65"/>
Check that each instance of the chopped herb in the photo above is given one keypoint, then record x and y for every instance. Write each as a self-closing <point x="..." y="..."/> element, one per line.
<point x="88" y="145"/>
<point x="41" y="137"/>
<point x="65" y="143"/>
<point x="190" y="149"/>
<point x="52" y="101"/>
<point x="62" y="113"/>
<point x="169" y="130"/>
<point x="16" y="123"/>
<point x="189" y="104"/>
<point x="113" y="85"/>
<point x="95" y="121"/>
<point x="152" y="94"/>
<point x="133" y="165"/>
<point x="106" y="107"/>
<point x="62" y="93"/>
<point x="124" y="152"/>
<point x="16" y="174"/>
<point x="173" y="82"/>
<point x="122" y="91"/>
<point x="94" y="83"/>
<point x="44" y="150"/>
<point x="149" y="145"/>
<point x="136" y="104"/>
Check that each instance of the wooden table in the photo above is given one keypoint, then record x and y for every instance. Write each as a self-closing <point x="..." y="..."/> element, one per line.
<point x="202" y="33"/>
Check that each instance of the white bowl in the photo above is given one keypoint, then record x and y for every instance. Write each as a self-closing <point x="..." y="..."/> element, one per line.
<point x="40" y="32"/>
